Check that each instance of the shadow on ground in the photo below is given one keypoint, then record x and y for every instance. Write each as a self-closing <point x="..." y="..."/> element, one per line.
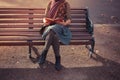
<point x="108" y="71"/>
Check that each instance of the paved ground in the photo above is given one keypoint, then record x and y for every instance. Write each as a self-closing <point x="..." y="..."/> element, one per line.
<point x="105" y="64"/>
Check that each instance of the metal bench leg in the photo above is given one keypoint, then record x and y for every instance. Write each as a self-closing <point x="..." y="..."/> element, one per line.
<point x="91" y="47"/>
<point x="30" y="51"/>
<point x="30" y="48"/>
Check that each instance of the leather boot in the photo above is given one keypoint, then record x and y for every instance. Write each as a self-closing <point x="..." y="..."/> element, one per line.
<point x="58" y="63"/>
<point x="42" y="57"/>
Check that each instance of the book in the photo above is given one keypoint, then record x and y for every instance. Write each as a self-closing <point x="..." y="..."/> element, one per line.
<point x="51" y="21"/>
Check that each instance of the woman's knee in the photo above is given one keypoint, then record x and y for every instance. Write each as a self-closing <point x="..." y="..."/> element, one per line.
<point x="51" y="30"/>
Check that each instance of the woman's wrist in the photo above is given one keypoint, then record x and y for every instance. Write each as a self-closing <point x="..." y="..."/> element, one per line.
<point x="67" y="22"/>
<point x="62" y="23"/>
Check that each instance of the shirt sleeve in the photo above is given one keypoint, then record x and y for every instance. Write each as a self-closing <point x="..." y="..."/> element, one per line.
<point x="68" y="14"/>
<point x="47" y="9"/>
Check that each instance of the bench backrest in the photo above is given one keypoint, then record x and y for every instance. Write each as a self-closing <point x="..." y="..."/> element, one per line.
<point x="21" y="25"/>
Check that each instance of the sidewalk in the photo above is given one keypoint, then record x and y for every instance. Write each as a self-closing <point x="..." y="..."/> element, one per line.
<point x="105" y="64"/>
<point x="106" y="25"/>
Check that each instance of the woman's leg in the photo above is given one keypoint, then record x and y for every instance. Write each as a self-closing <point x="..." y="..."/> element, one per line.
<point x="48" y="42"/>
<point x="56" y="48"/>
<point x="56" y="45"/>
<point x="53" y="40"/>
<point x="49" y="39"/>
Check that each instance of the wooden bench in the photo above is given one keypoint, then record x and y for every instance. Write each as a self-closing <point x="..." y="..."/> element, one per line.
<point x="20" y="27"/>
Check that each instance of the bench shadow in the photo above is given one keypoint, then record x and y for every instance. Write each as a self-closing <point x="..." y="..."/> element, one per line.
<point x="110" y="70"/>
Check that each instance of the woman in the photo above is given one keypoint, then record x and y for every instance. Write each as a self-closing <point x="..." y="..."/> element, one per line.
<point x="57" y="20"/>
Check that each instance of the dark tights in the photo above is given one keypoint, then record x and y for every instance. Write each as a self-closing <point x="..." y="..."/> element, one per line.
<point x="53" y="40"/>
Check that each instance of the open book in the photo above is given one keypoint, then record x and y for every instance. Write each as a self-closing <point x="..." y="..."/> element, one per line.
<point x="51" y="21"/>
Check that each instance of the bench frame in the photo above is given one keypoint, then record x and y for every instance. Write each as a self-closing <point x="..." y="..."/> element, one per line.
<point x="30" y="43"/>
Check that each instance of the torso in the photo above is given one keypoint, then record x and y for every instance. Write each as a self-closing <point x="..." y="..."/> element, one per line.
<point x="61" y="12"/>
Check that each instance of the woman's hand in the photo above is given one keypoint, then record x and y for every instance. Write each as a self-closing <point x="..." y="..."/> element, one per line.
<point x="64" y="23"/>
<point x="46" y="24"/>
<point x="46" y="21"/>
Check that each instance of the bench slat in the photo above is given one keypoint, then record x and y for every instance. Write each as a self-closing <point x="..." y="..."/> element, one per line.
<point x="14" y="43"/>
<point x="36" y="8"/>
<point x="19" y="26"/>
<point x="21" y="16"/>
<point x="32" y="32"/>
<point x="21" y="43"/>
<point x="36" y="30"/>
<point x="21" y="21"/>
<point x="22" y="12"/>
<point x="78" y="16"/>
<point x="22" y="8"/>
<point x="19" y="34"/>
<point x="36" y="11"/>
<point x="37" y="16"/>
<point x="19" y="30"/>
<point x="38" y="26"/>
<point x="38" y="21"/>
<point x="36" y="33"/>
<point x="18" y="38"/>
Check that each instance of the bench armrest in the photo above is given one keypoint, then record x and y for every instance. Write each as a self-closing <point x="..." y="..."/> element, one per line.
<point x="90" y="26"/>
